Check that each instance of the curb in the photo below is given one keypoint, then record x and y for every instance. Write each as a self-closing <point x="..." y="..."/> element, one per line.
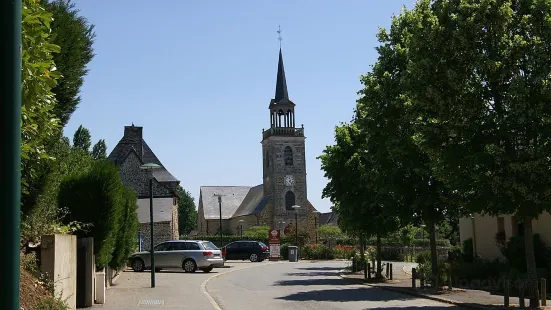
<point x="419" y="294"/>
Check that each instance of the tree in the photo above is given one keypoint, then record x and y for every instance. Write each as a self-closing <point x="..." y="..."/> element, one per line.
<point x="38" y="76"/>
<point x="97" y="198"/>
<point x="187" y="213"/>
<point x="75" y="35"/>
<point x="82" y="139"/>
<point x="355" y="188"/>
<point x="257" y="232"/>
<point x="478" y="77"/>
<point x="99" y="151"/>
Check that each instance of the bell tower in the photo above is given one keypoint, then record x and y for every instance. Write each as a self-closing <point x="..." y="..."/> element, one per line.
<point x="283" y="151"/>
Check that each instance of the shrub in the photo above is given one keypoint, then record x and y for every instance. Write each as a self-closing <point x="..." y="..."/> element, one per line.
<point x="29" y="262"/>
<point x="97" y="198"/>
<point x="515" y="245"/>
<point x="52" y="303"/>
<point x="343" y="251"/>
<point x="284" y="251"/>
<point x="425" y="270"/>
<point x="423" y="257"/>
<point x="468" y="253"/>
<point x="126" y="236"/>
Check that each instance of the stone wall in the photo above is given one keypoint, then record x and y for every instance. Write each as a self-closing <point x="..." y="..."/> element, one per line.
<point x="59" y="263"/>
<point x="138" y="179"/>
<point x="175" y="228"/>
<point x="162" y="231"/>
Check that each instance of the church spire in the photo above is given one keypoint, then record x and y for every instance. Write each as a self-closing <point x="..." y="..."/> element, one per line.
<point x="281" y="83"/>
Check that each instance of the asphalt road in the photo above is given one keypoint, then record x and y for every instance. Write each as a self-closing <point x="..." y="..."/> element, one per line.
<point x="305" y="286"/>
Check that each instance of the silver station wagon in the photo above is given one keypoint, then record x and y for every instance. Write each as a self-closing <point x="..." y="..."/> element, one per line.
<point x="189" y="255"/>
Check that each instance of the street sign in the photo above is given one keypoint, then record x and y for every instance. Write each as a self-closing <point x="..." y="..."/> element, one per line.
<point x="274" y="243"/>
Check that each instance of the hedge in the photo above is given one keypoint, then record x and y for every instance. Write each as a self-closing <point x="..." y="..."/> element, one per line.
<point x="290" y="239"/>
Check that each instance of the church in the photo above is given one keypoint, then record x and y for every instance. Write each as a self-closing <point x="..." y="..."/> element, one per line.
<point x="284" y="180"/>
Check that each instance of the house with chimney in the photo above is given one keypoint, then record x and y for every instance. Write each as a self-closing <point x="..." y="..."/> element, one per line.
<point x="129" y="155"/>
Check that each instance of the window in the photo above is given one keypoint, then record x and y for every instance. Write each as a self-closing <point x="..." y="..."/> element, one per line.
<point x="192" y="246"/>
<point x="288" y="156"/>
<point x="289" y="200"/>
<point x="162" y="247"/>
<point x="232" y="246"/>
<point x="209" y="246"/>
<point x="179" y="246"/>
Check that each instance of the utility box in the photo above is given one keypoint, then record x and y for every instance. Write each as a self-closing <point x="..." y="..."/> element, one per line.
<point x="293" y="253"/>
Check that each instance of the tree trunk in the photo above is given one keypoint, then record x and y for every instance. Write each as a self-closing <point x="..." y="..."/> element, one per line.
<point x="532" y="281"/>
<point x="379" y="267"/>
<point x="433" y="255"/>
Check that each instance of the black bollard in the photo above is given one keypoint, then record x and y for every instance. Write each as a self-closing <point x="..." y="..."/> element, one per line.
<point x="521" y="296"/>
<point x="506" y="292"/>
<point x="390" y="271"/>
<point x="369" y="271"/>
<point x="413" y="277"/>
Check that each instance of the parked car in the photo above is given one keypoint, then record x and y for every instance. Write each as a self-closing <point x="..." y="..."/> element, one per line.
<point x="255" y="251"/>
<point x="189" y="255"/>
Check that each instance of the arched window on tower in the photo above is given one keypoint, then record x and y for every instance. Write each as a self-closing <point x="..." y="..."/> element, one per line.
<point x="288" y="156"/>
<point x="289" y="200"/>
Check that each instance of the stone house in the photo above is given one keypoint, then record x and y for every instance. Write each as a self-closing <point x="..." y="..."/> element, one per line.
<point x="284" y="179"/>
<point x="485" y="230"/>
<point x="129" y="155"/>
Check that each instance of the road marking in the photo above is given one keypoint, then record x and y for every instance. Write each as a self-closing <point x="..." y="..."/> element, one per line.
<point x="213" y="302"/>
<point x="151" y="302"/>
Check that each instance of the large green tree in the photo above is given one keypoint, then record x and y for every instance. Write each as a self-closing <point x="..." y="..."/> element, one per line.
<point x="99" y="151"/>
<point x="187" y="213"/>
<point x="479" y="78"/>
<point x="38" y="76"/>
<point x="75" y="35"/>
<point x="82" y="139"/>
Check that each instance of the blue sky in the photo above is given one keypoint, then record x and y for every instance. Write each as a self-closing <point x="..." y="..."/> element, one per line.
<point x="199" y="75"/>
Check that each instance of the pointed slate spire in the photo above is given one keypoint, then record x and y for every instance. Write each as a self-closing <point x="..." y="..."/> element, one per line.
<point x="281" y="84"/>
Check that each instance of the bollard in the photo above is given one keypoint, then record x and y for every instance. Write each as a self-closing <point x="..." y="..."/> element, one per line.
<point x="413" y="277"/>
<point x="369" y="271"/>
<point x="365" y="269"/>
<point x="543" y="292"/>
<point x="390" y="271"/>
<point x="387" y="270"/>
<point x="450" y="279"/>
<point x="506" y="292"/>
<point x="521" y="296"/>
<point x="422" y="280"/>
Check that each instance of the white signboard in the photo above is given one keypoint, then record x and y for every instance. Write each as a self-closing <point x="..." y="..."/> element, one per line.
<point x="274" y="250"/>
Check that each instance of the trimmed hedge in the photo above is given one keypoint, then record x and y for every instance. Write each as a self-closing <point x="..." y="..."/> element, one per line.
<point x="290" y="239"/>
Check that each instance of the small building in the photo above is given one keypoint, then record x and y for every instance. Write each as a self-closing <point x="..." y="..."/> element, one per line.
<point x="129" y="155"/>
<point x="284" y="179"/>
<point x="486" y="231"/>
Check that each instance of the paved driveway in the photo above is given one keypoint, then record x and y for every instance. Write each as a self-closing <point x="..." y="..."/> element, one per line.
<point x="304" y="285"/>
<point x="174" y="289"/>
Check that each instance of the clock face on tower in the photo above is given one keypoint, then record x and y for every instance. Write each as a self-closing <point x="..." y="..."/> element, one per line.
<point x="289" y="180"/>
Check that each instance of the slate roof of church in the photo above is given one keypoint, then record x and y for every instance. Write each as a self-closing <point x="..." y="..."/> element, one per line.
<point x="254" y="202"/>
<point x="329" y="218"/>
<point x="232" y="197"/>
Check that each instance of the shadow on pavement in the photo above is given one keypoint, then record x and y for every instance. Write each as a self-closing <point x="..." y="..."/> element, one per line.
<point x="326" y="281"/>
<point x="420" y="307"/>
<point x="321" y="268"/>
<point x="312" y="274"/>
<point x="347" y="294"/>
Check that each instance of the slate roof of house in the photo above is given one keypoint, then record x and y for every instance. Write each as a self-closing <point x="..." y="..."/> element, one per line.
<point x="160" y="174"/>
<point x="162" y="210"/>
<point x="232" y="197"/>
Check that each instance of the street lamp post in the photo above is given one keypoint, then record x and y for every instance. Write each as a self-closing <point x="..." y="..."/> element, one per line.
<point x="150" y="167"/>
<point x="295" y="207"/>
<point x="316" y="214"/>
<point x="220" y="206"/>
<point x="241" y="228"/>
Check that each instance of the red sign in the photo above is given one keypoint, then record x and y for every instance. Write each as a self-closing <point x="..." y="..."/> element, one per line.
<point x="273" y="236"/>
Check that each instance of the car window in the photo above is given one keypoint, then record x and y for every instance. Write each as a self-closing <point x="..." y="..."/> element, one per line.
<point x="179" y="246"/>
<point x="244" y="245"/>
<point x="209" y="246"/>
<point x="252" y="245"/>
<point x="192" y="246"/>
<point x="232" y="246"/>
<point x="262" y="244"/>
<point x="161" y="247"/>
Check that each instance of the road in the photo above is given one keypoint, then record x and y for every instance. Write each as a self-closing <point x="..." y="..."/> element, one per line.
<point x="305" y="286"/>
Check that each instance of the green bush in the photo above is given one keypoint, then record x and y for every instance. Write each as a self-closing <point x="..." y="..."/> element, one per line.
<point x="514" y="252"/>
<point x="126" y="236"/>
<point x="423" y="257"/>
<point x="468" y="252"/>
<point x="52" y="303"/>
<point x="284" y="251"/>
<point x="316" y="251"/>
<point x="425" y="270"/>
<point x="98" y="198"/>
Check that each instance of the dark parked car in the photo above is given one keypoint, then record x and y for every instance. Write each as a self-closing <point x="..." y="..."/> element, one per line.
<point x="255" y="251"/>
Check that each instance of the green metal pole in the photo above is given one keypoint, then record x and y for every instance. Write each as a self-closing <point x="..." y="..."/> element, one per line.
<point x="151" y="242"/>
<point x="10" y="103"/>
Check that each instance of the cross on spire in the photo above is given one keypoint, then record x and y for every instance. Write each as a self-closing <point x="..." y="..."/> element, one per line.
<point x="279" y="35"/>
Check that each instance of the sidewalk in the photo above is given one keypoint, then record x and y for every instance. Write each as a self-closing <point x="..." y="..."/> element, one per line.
<point x="402" y="283"/>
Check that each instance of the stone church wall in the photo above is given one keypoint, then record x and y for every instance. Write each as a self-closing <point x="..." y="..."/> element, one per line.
<point x="138" y="179"/>
<point x="175" y="227"/>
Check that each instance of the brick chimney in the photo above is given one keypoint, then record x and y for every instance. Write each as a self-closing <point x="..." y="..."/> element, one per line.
<point x="133" y="136"/>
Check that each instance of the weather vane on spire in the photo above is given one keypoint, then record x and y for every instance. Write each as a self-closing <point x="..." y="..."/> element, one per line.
<point x="279" y="35"/>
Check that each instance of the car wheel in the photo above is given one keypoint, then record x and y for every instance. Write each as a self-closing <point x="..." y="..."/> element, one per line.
<point x="138" y="265"/>
<point x="253" y="258"/>
<point x="189" y="265"/>
<point x="209" y="269"/>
